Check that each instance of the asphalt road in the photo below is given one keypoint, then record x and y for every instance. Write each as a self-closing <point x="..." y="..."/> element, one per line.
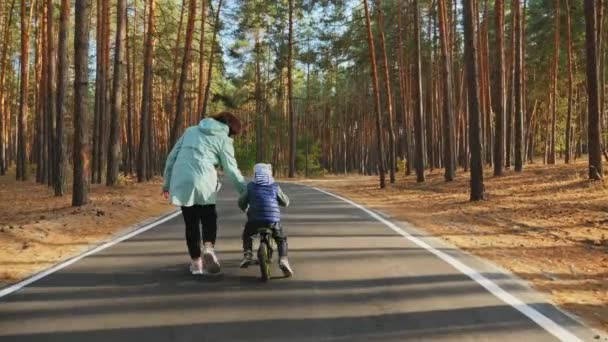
<point x="355" y="279"/>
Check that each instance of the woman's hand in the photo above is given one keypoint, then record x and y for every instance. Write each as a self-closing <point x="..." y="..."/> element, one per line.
<point x="165" y="195"/>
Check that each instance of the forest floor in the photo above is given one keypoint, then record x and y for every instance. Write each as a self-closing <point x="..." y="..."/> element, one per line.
<point x="548" y="225"/>
<point x="38" y="230"/>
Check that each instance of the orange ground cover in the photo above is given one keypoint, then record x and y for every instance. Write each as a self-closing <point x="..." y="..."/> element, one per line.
<point x="38" y="229"/>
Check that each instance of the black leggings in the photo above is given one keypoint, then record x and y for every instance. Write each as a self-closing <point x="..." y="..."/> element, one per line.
<point x="194" y="217"/>
<point x="251" y="229"/>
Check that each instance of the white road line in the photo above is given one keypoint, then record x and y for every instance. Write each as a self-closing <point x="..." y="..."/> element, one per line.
<point x="18" y="286"/>
<point x="540" y="319"/>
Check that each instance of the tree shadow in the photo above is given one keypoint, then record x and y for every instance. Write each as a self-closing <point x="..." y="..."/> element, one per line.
<point x="497" y="322"/>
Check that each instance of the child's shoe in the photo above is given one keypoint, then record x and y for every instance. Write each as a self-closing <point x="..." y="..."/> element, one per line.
<point x="196" y="266"/>
<point x="285" y="267"/>
<point x="247" y="259"/>
<point x="212" y="265"/>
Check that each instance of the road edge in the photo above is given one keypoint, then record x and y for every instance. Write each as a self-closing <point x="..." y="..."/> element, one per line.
<point x="123" y="235"/>
<point x="489" y="285"/>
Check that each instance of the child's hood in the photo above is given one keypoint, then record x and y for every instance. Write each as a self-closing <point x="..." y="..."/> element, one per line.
<point x="262" y="174"/>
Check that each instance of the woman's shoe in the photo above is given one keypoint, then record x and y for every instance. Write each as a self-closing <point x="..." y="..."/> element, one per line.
<point x="210" y="261"/>
<point x="196" y="266"/>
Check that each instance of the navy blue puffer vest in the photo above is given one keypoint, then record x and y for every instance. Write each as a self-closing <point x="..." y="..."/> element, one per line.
<point x="263" y="203"/>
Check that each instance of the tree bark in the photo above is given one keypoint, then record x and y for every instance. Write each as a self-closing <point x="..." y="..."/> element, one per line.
<point x="593" y="124"/>
<point x="392" y="164"/>
<point x="418" y="111"/>
<point x="22" y="160"/>
<point x="292" y="118"/>
<point x="448" y="114"/>
<point x="116" y="102"/>
<point x="374" y="75"/>
<point x="174" y="80"/>
<point x="518" y="88"/>
<point x="570" y="85"/>
<point x="499" y="97"/>
<point x="81" y="83"/>
<point x="178" y="123"/>
<point x="211" y="58"/>
<point x="259" y="117"/>
<point x="51" y="92"/>
<point x="130" y="102"/>
<point x="3" y="66"/>
<point x="470" y="48"/>
<point x="600" y="47"/>
<point x="511" y="88"/>
<point x="145" y="159"/>
<point x="101" y="90"/>
<point x="201" y="69"/>
<point x="551" y="159"/>
<point x="62" y="84"/>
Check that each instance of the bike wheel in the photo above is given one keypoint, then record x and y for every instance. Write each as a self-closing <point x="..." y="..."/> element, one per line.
<point x="264" y="260"/>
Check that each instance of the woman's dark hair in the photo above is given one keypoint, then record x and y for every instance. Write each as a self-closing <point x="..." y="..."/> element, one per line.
<point x="231" y="121"/>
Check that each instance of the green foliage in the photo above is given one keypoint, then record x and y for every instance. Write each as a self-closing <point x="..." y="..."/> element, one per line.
<point x="309" y="156"/>
<point x="245" y="155"/>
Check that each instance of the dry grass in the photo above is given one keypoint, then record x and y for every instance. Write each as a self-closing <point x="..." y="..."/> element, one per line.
<point x="548" y="225"/>
<point x="38" y="229"/>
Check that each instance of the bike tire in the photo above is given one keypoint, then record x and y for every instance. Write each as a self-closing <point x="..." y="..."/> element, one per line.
<point x="264" y="260"/>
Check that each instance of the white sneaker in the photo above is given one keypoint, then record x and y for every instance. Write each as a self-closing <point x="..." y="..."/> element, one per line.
<point x="285" y="267"/>
<point x="210" y="263"/>
<point x="196" y="266"/>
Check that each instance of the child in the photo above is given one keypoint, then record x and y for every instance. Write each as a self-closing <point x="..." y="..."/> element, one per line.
<point x="263" y="197"/>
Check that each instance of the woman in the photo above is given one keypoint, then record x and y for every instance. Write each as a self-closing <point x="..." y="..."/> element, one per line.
<point x="191" y="182"/>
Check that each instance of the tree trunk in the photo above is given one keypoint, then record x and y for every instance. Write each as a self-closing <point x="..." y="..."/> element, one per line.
<point x="212" y="51"/>
<point x="448" y="114"/>
<point x="3" y="66"/>
<point x="178" y="123"/>
<point x="470" y="48"/>
<point x="39" y="142"/>
<point x="511" y="95"/>
<point x="600" y="47"/>
<point x="551" y="159"/>
<point x="201" y="69"/>
<point x="130" y="102"/>
<point x="518" y="88"/>
<point x="145" y="158"/>
<point x="259" y="117"/>
<point x="22" y="160"/>
<point x="418" y="111"/>
<point x="403" y="90"/>
<point x="486" y="93"/>
<point x="499" y="97"/>
<point x="51" y="93"/>
<point x="374" y="74"/>
<point x="570" y="85"/>
<point x="292" y="118"/>
<point x="101" y="90"/>
<point x="116" y="102"/>
<point x="392" y="164"/>
<point x="81" y="84"/>
<point x="62" y="84"/>
<point x="593" y="124"/>
<point x="174" y="80"/>
<point x="98" y="91"/>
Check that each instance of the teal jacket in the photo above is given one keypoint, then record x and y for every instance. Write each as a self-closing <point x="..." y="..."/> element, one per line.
<point x="190" y="171"/>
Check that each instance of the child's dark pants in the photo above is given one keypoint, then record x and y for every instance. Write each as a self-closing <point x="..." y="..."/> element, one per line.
<point x="195" y="217"/>
<point x="251" y="229"/>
